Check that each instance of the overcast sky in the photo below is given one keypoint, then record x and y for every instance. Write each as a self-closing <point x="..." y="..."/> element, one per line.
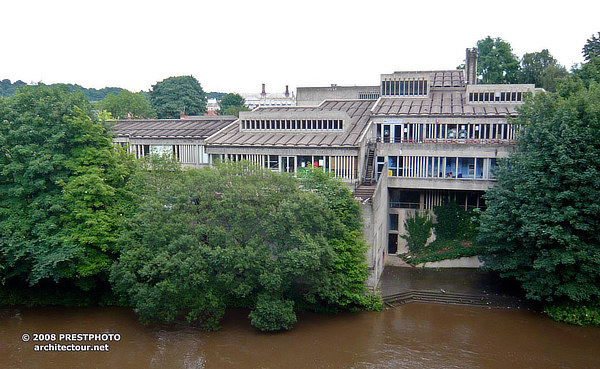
<point x="234" y="46"/>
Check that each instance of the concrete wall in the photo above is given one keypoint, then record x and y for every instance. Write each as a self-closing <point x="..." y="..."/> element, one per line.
<point x="375" y="230"/>
<point x="313" y="96"/>
<point x="465" y="262"/>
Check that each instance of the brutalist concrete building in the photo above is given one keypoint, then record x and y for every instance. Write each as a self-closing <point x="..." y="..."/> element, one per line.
<point x="422" y="137"/>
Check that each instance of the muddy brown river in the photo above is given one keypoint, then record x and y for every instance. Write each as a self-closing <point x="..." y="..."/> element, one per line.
<point x="410" y="336"/>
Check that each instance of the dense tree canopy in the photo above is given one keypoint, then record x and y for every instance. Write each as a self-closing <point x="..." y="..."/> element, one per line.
<point x="591" y="49"/>
<point x="540" y="68"/>
<point x="239" y="235"/>
<point x="541" y="224"/>
<point x="496" y="62"/>
<point x="61" y="185"/>
<point x="232" y="104"/>
<point x="173" y="95"/>
<point x="127" y="104"/>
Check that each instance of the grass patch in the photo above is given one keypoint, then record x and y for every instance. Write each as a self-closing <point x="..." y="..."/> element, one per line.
<point x="442" y="250"/>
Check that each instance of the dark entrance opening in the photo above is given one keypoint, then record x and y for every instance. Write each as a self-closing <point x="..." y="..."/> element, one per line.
<point x="392" y="243"/>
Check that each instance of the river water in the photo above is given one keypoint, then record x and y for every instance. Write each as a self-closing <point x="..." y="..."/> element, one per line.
<point x="410" y="336"/>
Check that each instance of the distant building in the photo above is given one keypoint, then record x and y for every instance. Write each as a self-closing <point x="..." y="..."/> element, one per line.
<point x="212" y="105"/>
<point x="264" y="99"/>
<point x="311" y="96"/>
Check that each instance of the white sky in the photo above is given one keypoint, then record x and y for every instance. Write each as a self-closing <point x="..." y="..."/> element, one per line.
<point x="234" y="46"/>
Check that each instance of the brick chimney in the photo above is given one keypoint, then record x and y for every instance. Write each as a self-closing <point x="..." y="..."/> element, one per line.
<point x="287" y="91"/>
<point x="264" y="92"/>
<point x="182" y="115"/>
<point x="471" y="66"/>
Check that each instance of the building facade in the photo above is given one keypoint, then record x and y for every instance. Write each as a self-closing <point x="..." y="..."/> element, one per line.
<point x="418" y="139"/>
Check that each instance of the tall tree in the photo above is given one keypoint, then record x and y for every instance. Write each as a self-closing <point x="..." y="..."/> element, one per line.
<point x="60" y="188"/>
<point x="232" y="104"/>
<point x="127" y="104"/>
<point x="591" y="49"/>
<point x="173" y="95"/>
<point x="239" y="235"/>
<point x="496" y="62"/>
<point x="541" y="223"/>
<point x="542" y="69"/>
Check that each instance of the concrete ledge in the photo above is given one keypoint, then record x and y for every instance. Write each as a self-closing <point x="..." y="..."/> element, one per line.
<point x="465" y="262"/>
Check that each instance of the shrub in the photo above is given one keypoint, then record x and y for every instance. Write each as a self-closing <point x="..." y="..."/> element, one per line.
<point x="454" y="222"/>
<point x="575" y="313"/>
<point x="272" y="314"/>
<point x="419" y="230"/>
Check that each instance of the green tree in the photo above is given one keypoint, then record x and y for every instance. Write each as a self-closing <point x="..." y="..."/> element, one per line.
<point x="496" y="62"/>
<point x="232" y="104"/>
<point x="591" y="49"/>
<point x="541" y="224"/>
<point x="540" y="68"/>
<point x="127" y="104"/>
<point x="60" y="181"/>
<point x="173" y="95"/>
<point x="234" y="235"/>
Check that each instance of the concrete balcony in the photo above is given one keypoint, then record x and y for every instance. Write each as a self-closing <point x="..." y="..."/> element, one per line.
<point x="463" y="184"/>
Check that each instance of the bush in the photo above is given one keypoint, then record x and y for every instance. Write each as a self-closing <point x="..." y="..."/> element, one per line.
<point x="454" y="222"/>
<point x="441" y="249"/>
<point x="272" y="314"/>
<point x="419" y="230"/>
<point x="573" y="313"/>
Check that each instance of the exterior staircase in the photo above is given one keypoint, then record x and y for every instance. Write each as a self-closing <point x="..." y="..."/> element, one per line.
<point x="442" y="297"/>
<point x="364" y="192"/>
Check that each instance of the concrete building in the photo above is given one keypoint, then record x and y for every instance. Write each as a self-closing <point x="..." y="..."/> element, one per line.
<point x="312" y="96"/>
<point x="264" y="99"/>
<point x="183" y="139"/>
<point x="428" y="136"/>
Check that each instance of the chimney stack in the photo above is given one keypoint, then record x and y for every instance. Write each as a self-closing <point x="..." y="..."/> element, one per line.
<point x="471" y="66"/>
<point x="263" y="93"/>
<point x="287" y="91"/>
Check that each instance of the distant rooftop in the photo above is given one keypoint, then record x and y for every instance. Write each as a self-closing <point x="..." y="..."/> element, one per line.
<point x="195" y="128"/>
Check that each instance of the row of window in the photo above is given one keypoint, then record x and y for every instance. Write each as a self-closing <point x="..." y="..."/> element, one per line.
<point x="404" y="88"/>
<point x="434" y="132"/>
<point x="293" y="124"/>
<point x="495" y="97"/>
<point x="437" y="167"/>
<point x="368" y="95"/>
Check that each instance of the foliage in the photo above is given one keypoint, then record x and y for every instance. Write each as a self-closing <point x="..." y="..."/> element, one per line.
<point x="127" y="104"/>
<point x="588" y="72"/>
<point x="575" y="313"/>
<point x="237" y="235"/>
<point x="496" y="62"/>
<point x="541" y="224"/>
<point x="7" y="88"/>
<point x="454" y="222"/>
<point x="61" y="188"/>
<point x="173" y="95"/>
<point x="229" y="100"/>
<point x="540" y="68"/>
<point x="591" y="49"/>
<point x="272" y="314"/>
<point x="441" y="249"/>
<point x="419" y="230"/>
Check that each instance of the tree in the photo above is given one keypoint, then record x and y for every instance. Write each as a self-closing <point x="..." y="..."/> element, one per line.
<point x="232" y="104"/>
<point x="127" y="104"/>
<point x="496" y="62"/>
<point x="173" y="95"/>
<point x="591" y="49"/>
<point x="61" y="184"/>
<point x="541" y="224"/>
<point x="235" y="235"/>
<point x="540" y="68"/>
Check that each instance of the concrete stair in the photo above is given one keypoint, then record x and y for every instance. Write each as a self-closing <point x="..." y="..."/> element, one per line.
<point x="365" y="192"/>
<point x="442" y="297"/>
